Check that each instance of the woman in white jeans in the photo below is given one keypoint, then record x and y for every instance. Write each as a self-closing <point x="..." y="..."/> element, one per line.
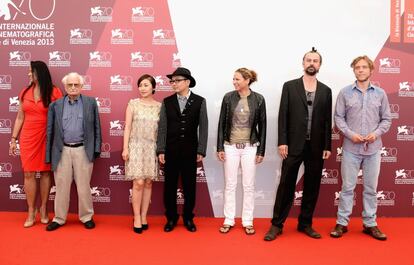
<point x="241" y="141"/>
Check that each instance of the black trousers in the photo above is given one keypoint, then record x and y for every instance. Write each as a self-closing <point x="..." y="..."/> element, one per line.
<point x="177" y="165"/>
<point x="286" y="190"/>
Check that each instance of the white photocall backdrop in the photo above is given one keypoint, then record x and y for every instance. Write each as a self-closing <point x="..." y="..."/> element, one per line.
<point x="215" y="38"/>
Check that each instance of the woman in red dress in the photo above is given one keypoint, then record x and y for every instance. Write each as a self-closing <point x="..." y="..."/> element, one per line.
<point x="30" y="124"/>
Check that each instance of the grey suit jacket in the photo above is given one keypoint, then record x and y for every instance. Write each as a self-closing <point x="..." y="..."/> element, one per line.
<point x="91" y="129"/>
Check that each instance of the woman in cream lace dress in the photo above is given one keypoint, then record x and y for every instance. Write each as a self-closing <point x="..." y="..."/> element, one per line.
<point x="141" y="165"/>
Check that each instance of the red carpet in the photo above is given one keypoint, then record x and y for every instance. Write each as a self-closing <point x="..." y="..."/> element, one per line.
<point x="113" y="242"/>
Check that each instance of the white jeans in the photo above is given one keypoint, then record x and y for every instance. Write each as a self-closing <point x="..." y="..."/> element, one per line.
<point x="233" y="158"/>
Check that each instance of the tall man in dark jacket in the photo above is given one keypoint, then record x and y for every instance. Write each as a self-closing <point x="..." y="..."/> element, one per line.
<point x="304" y="136"/>
<point x="181" y="143"/>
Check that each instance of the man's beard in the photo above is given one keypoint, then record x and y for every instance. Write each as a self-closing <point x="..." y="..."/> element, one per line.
<point x="311" y="70"/>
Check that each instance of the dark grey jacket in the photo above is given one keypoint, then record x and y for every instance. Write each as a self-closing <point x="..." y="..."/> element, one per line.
<point x="91" y="129"/>
<point x="257" y="108"/>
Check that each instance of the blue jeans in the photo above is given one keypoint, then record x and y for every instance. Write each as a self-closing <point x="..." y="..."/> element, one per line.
<point x="351" y="163"/>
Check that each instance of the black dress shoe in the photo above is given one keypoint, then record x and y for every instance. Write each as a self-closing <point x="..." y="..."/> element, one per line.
<point x="89" y="224"/>
<point x="169" y="226"/>
<point x="273" y="232"/>
<point x="138" y="230"/>
<point x="374" y="232"/>
<point x="145" y="226"/>
<point x="53" y="226"/>
<point x="189" y="224"/>
<point x="308" y="230"/>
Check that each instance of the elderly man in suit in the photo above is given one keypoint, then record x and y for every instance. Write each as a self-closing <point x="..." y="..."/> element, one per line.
<point x="304" y="136"/>
<point x="181" y="143"/>
<point x="73" y="142"/>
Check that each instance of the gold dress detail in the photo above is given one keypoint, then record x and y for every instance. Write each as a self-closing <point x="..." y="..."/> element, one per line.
<point x="143" y="162"/>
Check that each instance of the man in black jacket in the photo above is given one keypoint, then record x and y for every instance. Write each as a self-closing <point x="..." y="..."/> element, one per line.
<point x="304" y="136"/>
<point x="181" y="143"/>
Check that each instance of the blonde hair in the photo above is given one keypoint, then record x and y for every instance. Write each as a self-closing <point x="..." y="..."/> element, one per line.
<point x="363" y="57"/>
<point x="248" y="74"/>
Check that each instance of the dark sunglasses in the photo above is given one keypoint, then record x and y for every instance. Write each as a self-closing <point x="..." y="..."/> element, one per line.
<point x="309" y="97"/>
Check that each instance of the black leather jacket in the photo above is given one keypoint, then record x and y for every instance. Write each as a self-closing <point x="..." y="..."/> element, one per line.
<point x="257" y="108"/>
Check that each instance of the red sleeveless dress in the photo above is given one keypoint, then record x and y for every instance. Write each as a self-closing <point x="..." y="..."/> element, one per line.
<point x="32" y="138"/>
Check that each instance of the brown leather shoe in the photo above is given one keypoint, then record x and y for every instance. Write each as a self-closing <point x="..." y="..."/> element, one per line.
<point x="273" y="232"/>
<point x="338" y="231"/>
<point x="374" y="232"/>
<point x="309" y="231"/>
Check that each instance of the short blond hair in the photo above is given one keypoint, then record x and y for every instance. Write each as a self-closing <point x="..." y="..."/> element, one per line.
<point x="365" y="58"/>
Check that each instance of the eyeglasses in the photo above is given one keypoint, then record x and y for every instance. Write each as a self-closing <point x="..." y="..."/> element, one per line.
<point x="176" y="81"/>
<point x="73" y="84"/>
<point x="309" y="98"/>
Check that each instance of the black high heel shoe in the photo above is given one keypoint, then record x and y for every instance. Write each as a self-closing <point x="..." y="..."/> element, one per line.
<point x="138" y="230"/>
<point x="145" y="226"/>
